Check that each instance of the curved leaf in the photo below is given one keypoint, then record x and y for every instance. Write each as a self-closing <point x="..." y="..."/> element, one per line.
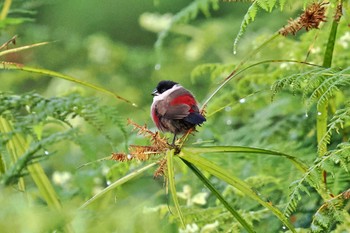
<point x="249" y="150"/>
<point x="224" y="175"/>
<point x="68" y="78"/>
<point x="117" y="183"/>
<point x="207" y="183"/>
<point x="171" y="182"/>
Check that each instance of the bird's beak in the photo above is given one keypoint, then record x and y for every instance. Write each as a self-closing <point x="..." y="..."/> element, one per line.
<point x="155" y="92"/>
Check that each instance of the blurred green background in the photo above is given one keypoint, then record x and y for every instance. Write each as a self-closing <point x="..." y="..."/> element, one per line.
<point x="112" y="44"/>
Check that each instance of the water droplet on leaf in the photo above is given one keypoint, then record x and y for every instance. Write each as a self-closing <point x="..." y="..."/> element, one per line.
<point x="242" y="100"/>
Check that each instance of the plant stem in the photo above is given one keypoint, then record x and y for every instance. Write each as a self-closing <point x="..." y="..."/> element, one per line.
<point x="322" y="109"/>
<point x="207" y="183"/>
<point x="234" y="72"/>
<point x="5" y="9"/>
<point x="15" y="150"/>
<point x="16" y="147"/>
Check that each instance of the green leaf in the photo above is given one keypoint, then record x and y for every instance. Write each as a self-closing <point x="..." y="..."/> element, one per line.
<point x="248" y="18"/>
<point x="172" y="187"/>
<point x="17" y="146"/>
<point x="117" y="183"/>
<point x="249" y="150"/>
<point x="68" y="78"/>
<point x="207" y="183"/>
<point x="224" y="175"/>
<point x="16" y="50"/>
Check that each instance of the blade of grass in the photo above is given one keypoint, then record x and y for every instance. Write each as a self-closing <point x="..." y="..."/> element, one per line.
<point x="11" y="66"/>
<point x="15" y="150"/>
<point x="117" y="183"/>
<point x="2" y="164"/>
<point x="17" y="147"/>
<point x="207" y="183"/>
<point x="18" y="49"/>
<point x="172" y="187"/>
<point x="248" y="150"/>
<point x="224" y="175"/>
<point x="68" y="78"/>
<point x="322" y="108"/>
<point x="5" y="9"/>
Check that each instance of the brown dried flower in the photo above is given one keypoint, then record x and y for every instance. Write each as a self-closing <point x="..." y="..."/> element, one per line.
<point x="161" y="168"/>
<point x="309" y="19"/>
<point x="122" y="157"/>
<point x="338" y="12"/>
<point x="159" y="145"/>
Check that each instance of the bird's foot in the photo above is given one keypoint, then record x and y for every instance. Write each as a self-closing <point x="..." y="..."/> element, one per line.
<point x="175" y="147"/>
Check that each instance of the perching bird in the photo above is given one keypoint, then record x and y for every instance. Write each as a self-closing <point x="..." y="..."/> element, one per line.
<point x="174" y="109"/>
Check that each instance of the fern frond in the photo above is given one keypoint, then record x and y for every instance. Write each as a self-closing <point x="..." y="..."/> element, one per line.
<point x="337" y="122"/>
<point x="31" y="156"/>
<point x="331" y="212"/>
<point x="303" y="81"/>
<point x="341" y="156"/>
<point x="33" y="109"/>
<point x="249" y="17"/>
<point x="298" y="187"/>
<point x="318" y="85"/>
<point x="336" y="81"/>
<point x="332" y="81"/>
<point x="329" y="162"/>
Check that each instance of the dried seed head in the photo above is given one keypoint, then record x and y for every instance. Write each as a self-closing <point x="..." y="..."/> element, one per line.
<point x="309" y="19"/>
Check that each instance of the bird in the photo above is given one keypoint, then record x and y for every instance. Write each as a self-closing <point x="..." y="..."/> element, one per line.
<point x="174" y="109"/>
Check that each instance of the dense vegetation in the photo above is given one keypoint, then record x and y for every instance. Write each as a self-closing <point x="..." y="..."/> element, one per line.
<point x="78" y="150"/>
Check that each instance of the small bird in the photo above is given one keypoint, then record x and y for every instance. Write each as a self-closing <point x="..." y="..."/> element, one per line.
<point x="174" y="109"/>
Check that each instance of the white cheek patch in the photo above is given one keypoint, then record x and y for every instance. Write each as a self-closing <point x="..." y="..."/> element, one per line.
<point x="166" y="93"/>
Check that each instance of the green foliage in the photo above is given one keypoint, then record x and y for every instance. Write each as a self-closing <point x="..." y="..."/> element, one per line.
<point x="317" y="85"/>
<point x="18" y="14"/>
<point x="33" y="115"/>
<point x="300" y="180"/>
<point x="190" y="12"/>
<point x="338" y="122"/>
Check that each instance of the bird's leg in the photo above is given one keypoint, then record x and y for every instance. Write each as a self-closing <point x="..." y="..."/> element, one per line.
<point x="173" y="146"/>
<point x="173" y="143"/>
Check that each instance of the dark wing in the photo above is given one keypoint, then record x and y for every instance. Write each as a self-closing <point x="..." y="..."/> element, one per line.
<point x="195" y="118"/>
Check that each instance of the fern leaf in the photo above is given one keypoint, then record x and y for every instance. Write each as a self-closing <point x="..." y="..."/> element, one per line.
<point x="282" y="3"/>
<point x="248" y="18"/>
<point x="312" y="177"/>
<point x="294" y="198"/>
<point x="340" y="117"/>
<point x="331" y="212"/>
<point x="341" y="156"/>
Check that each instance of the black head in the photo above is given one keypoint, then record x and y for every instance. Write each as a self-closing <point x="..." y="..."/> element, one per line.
<point x="163" y="86"/>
